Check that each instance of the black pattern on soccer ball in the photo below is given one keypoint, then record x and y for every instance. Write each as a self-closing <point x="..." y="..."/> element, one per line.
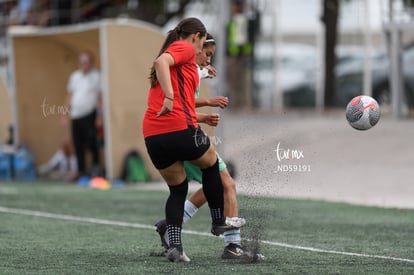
<point x="353" y="113"/>
<point x="374" y="116"/>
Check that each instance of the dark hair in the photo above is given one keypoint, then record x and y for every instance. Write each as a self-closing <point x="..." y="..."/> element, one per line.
<point x="209" y="41"/>
<point x="184" y="29"/>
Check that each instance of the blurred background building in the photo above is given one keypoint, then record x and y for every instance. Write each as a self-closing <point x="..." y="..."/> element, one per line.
<point x="286" y="65"/>
<point x="271" y="54"/>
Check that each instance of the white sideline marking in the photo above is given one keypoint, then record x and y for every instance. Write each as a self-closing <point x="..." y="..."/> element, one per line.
<point x="190" y="232"/>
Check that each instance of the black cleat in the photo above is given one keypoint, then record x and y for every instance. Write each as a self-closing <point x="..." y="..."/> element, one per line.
<point x="219" y="229"/>
<point x="161" y="228"/>
<point x="170" y="252"/>
<point x="228" y="224"/>
<point x="232" y="251"/>
<point x="236" y="252"/>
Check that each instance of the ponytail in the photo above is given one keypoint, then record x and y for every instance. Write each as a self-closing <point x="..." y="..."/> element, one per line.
<point x="173" y="35"/>
<point x="184" y="29"/>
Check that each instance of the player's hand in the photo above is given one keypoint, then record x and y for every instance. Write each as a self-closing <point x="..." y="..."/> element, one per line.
<point x="166" y="107"/>
<point x="212" y="72"/>
<point x="219" y="101"/>
<point x="212" y="119"/>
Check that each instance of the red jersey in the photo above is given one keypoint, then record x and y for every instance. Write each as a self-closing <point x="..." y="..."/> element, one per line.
<point x="184" y="79"/>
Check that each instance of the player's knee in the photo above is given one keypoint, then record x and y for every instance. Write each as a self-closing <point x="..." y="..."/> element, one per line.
<point x="212" y="168"/>
<point x="211" y="155"/>
<point x="208" y="160"/>
<point x="180" y="189"/>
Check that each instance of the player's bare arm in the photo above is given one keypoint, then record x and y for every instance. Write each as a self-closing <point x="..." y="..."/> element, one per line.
<point x="218" y="101"/>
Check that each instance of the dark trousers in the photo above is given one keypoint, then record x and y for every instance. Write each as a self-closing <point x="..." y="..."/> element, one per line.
<point x="84" y="136"/>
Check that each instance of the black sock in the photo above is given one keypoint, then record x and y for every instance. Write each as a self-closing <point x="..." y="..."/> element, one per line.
<point x="217" y="215"/>
<point x="213" y="190"/>
<point x="174" y="209"/>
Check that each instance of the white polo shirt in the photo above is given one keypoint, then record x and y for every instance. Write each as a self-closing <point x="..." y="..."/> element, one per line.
<point x="85" y="89"/>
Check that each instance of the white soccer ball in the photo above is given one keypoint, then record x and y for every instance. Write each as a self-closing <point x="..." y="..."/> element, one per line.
<point x="363" y="112"/>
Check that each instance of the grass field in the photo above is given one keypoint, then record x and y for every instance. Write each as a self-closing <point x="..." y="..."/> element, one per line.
<point x="54" y="228"/>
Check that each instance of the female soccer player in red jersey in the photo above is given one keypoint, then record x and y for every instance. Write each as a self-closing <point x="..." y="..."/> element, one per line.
<point x="172" y="134"/>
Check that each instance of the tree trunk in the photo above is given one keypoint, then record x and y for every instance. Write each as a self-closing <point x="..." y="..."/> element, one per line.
<point x="330" y="20"/>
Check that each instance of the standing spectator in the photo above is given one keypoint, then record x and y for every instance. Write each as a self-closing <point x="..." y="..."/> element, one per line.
<point x="18" y="11"/>
<point x="84" y="100"/>
<point x="12" y="13"/>
<point x="39" y="13"/>
<point x="241" y="30"/>
<point x="25" y="6"/>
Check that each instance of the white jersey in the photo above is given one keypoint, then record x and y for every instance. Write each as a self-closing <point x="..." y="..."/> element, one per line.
<point x="202" y="73"/>
<point x="85" y="89"/>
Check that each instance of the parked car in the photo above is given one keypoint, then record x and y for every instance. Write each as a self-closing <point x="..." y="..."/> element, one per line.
<point x="349" y="76"/>
<point x="297" y="78"/>
<point x="297" y="73"/>
<point x="349" y="80"/>
<point x="296" y="69"/>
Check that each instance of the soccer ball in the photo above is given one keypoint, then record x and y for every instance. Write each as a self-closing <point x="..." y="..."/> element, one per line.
<point x="363" y="112"/>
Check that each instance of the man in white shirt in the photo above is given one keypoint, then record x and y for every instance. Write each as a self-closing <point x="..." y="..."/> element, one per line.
<point x="84" y="100"/>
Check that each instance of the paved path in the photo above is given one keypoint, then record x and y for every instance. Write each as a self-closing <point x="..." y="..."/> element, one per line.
<point x="336" y="162"/>
<point x="374" y="167"/>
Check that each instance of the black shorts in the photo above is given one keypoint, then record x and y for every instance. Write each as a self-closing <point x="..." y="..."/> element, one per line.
<point x="166" y="149"/>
